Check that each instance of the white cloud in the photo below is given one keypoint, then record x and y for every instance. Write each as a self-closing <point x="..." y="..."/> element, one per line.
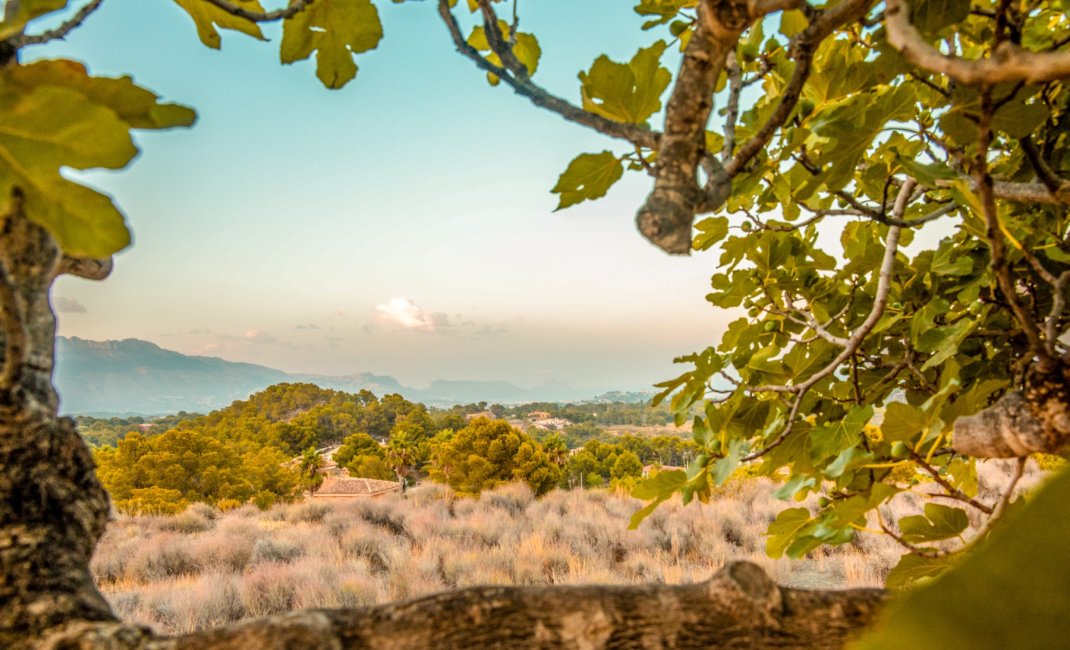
<point x="406" y="314"/>
<point x="256" y="336"/>
<point x="68" y="306"/>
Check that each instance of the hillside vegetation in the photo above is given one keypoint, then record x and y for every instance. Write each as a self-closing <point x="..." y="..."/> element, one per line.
<point x="246" y="452"/>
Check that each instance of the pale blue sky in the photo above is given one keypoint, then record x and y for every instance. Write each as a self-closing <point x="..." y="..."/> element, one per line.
<point x="401" y="226"/>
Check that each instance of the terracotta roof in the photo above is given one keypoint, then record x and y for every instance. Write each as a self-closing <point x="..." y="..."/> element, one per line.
<point x="338" y="486"/>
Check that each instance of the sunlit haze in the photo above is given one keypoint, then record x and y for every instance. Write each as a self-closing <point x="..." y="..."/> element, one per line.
<point x="403" y="225"/>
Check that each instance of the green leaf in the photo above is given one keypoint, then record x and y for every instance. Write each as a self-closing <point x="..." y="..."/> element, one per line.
<point x="1010" y="592"/>
<point x="711" y="230"/>
<point x="938" y="522"/>
<point x="723" y="468"/>
<point x="930" y="16"/>
<point x="792" y="22"/>
<point x="831" y="439"/>
<point x="589" y="176"/>
<point x="336" y="30"/>
<point x="209" y="18"/>
<point x="626" y="92"/>
<point x="1019" y="119"/>
<point x="902" y="422"/>
<point x="783" y="530"/>
<point x="912" y="568"/>
<point x="662" y="483"/>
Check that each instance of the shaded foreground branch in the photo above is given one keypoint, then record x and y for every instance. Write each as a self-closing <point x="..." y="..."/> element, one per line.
<point x="739" y="607"/>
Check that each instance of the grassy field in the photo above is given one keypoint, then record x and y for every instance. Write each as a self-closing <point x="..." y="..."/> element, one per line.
<point x="203" y="567"/>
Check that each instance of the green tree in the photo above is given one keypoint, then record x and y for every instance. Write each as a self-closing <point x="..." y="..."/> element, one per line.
<point x="487" y="453"/>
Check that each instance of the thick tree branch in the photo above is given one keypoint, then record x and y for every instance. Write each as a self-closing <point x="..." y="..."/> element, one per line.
<point x="1020" y="192"/>
<point x="633" y="133"/>
<point x="666" y="217"/>
<point x="738" y="607"/>
<point x="295" y="7"/>
<point x="1007" y="62"/>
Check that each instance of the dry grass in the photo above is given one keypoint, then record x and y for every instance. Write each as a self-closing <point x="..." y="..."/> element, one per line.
<point x="203" y="567"/>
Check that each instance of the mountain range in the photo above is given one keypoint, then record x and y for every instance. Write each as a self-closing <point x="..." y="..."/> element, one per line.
<point x="138" y="377"/>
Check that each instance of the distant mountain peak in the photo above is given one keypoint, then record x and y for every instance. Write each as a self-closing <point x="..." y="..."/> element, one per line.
<point x="133" y="376"/>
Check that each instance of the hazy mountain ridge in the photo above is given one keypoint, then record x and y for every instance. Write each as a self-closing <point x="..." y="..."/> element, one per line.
<point x="133" y="376"/>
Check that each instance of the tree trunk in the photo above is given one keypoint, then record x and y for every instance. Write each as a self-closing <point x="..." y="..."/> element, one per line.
<point x="52" y="508"/>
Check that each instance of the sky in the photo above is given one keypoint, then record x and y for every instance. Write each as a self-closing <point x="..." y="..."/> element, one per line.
<point x="400" y="226"/>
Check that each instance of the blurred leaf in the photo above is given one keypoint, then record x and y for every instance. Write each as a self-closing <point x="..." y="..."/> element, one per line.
<point x="1010" y="592"/>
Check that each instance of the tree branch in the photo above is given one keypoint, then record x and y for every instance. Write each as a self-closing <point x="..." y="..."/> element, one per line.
<point x="85" y="267"/>
<point x="59" y="32"/>
<point x="295" y="7"/>
<point x="1007" y="62"/>
<point x="854" y="342"/>
<point x="666" y="216"/>
<point x="802" y="49"/>
<point x="638" y="135"/>
<point x="739" y="607"/>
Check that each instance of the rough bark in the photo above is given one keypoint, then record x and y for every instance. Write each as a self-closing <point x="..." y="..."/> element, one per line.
<point x="1021" y="422"/>
<point x="739" y="607"/>
<point x="666" y="217"/>
<point x="52" y="508"/>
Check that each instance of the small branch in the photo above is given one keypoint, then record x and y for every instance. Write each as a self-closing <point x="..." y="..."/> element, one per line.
<point x="60" y="32"/>
<point x="735" y="88"/>
<point x="1007" y="62"/>
<point x="1058" y="304"/>
<point x="802" y="50"/>
<point x="296" y="7"/>
<point x="1044" y="172"/>
<point x="993" y="232"/>
<point x="85" y="267"/>
<point x="854" y="342"/>
<point x="497" y="42"/>
<point x="916" y="550"/>
<point x="1020" y="192"/>
<point x="637" y="135"/>
<point x="952" y="492"/>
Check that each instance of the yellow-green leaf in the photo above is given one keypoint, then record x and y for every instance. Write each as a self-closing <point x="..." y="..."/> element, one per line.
<point x="49" y="127"/>
<point x="26" y="11"/>
<point x="134" y="105"/>
<point x="589" y="176"/>
<point x="626" y="92"/>
<point x="336" y="30"/>
<point x="209" y="19"/>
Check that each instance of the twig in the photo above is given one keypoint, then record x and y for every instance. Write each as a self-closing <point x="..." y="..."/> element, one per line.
<point x="633" y="133"/>
<point x="59" y="32"/>
<point x="880" y="301"/>
<point x="295" y="8"/>
<point x="735" y="88"/>
<point x="951" y="491"/>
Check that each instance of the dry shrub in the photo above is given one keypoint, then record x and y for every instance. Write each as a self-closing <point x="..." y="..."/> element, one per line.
<point x="268" y="589"/>
<point x="187" y="522"/>
<point x="307" y="511"/>
<point x="165" y="555"/>
<point x="175" y="576"/>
